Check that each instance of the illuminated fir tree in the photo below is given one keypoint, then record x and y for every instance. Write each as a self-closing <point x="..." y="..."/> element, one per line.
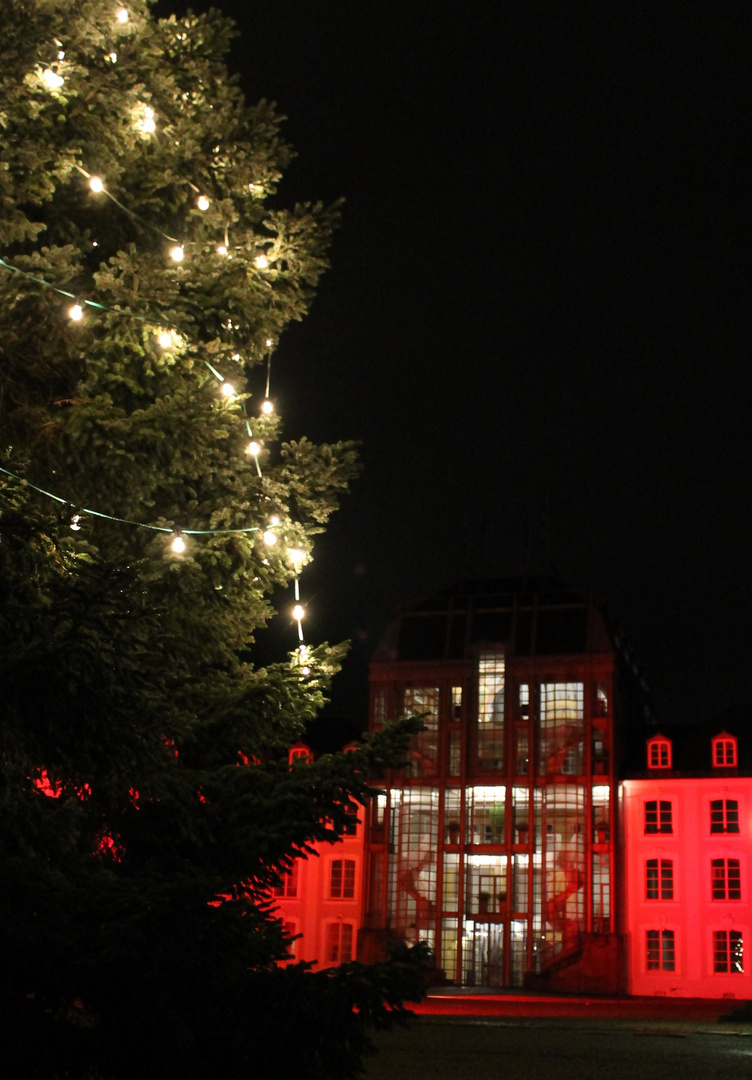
<point x="149" y="509"/>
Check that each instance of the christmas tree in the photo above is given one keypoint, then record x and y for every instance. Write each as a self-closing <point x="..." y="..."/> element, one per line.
<point x="149" y="509"/>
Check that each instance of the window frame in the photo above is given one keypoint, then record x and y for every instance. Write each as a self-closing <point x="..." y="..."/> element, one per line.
<point x="724" y="817"/>
<point x="331" y="946"/>
<point x="663" y="882"/>
<point x="729" y="881"/>
<point x="727" y="745"/>
<point x="724" y="946"/>
<point x="660" y="752"/>
<point x="663" y="825"/>
<point x="347" y="886"/>
<point x="660" y="950"/>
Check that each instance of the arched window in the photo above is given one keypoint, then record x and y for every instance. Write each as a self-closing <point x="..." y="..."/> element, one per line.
<point x="659" y="752"/>
<point x="724" y="751"/>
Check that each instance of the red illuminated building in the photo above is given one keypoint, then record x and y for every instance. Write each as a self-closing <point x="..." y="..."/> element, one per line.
<point x="497" y="845"/>
<point x="687" y="819"/>
<point x="321" y="901"/>
<point x="543" y="833"/>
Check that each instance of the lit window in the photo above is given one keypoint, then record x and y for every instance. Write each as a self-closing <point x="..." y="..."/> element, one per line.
<point x="724" y="751"/>
<point x="659" y="753"/>
<point x="289" y="885"/>
<point x="339" y="942"/>
<point x="658" y="817"/>
<point x="661" y="950"/>
<point x="726" y="879"/>
<point x="724" y="816"/>
<point x="659" y="879"/>
<point x="342" y="879"/>
<point x="728" y="951"/>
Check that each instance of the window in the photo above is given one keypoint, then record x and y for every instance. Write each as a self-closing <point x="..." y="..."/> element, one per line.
<point x="339" y="942"/>
<point x="342" y="879"/>
<point x="291" y="930"/>
<point x="351" y="825"/>
<point x="659" y="753"/>
<point x="728" y="951"/>
<point x="726" y="879"/>
<point x="659" y="879"/>
<point x="289" y="886"/>
<point x="299" y="752"/>
<point x="724" y="751"/>
<point x="661" y="950"/>
<point x="724" y="816"/>
<point x="658" y="818"/>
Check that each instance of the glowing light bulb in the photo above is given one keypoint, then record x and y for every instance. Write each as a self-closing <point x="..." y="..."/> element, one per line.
<point x="61" y="55"/>
<point x="221" y="249"/>
<point x="177" y="253"/>
<point x="296" y="556"/>
<point x="203" y="202"/>
<point x="122" y="15"/>
<point x="148" y="112"/>
<point x="274" y="519"/>
<point x="112" y="57"/>
<point x="178" y="544"/>
<point x="51" y="79"/>
<point x="298" y="612"/>
<point x="305" y="671"/>
<point x="95" y="183"/>
<point x="166" y="340"/>
<point x="267" y="406"/>
<point x="74" y="522"/>
<point x="269" y="343"/>
<point x="254" y="448"/>
<point x="261" y="262"/>
<point x="270" y="538"/>
<point x="228" y="390"/>
<point x="76" y="312"/>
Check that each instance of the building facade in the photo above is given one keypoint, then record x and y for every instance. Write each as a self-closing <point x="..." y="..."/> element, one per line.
<point x="496" y="844"/>
<point x="320" y="901"/>
<point x="687" y="837"/>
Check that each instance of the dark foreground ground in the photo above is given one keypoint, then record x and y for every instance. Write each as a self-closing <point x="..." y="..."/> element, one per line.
<point x="567" y="1039"/>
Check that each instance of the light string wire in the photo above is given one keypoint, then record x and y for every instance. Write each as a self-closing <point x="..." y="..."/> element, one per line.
<point x="128" y="521"/>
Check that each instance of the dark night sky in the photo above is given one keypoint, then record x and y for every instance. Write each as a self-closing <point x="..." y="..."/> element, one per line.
<point x="538" y="319"/>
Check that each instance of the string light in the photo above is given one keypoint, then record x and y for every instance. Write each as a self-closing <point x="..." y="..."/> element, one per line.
<point x="75" y="522"/>
<point x="228" y="390"/>
<point x="296" y="557"/>
<point x="254" y="448"/>
<point x="221" y="249"/>
<point x="51" y="79"/>
<point x="270" y="538"/>
<point x="267" y="407"/>
<point x="76" y="312"/>
<point x="203" y="202"/>
<point x="166" y="339"/>
<point x="177" y="253"/>
<point x="95" y="183"/>
<point x="298" y="612"/>
<point x="261" y="262"/>
<point x="112" y="57"/>
<point x="122" y="15"/>
<point x="178" y="544"/>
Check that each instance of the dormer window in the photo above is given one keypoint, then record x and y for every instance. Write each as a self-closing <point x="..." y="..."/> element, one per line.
<point x="299" y="752"/>
<point x="724" y="751"/>
<point x="659" y="752"/>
